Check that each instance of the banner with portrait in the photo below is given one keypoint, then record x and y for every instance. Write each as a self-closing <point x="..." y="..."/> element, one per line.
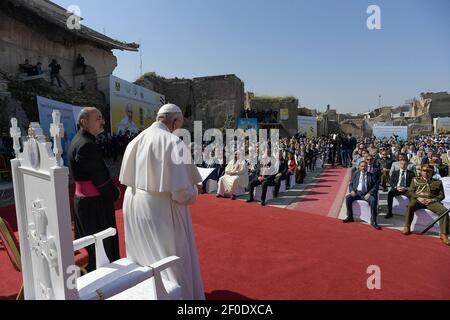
<point x="133" y="108"/>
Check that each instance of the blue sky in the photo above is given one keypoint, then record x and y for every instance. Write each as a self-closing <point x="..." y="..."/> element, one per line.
<point x="319" y="51"/>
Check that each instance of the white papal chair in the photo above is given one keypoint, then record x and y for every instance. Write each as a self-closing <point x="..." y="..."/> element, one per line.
<point x="45" y="233"/>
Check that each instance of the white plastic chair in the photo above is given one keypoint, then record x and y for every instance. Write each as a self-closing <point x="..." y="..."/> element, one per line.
<point x="211" y="186"/>
<point x="269" y="194"/>
<point x="361" y="211"/>
<point x="422" y="219"/>
<point x="399" y="205"/>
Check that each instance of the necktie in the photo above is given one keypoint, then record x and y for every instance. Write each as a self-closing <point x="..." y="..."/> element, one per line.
<point x="364" y="187"/>
<point x="403" y="181"/>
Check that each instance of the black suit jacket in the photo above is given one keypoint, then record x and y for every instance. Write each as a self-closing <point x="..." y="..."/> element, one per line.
<point x="372" y="184"/>
<point x="283" y="168"/>
<point x="396" y="176"/>
<point x="376" y="172"/>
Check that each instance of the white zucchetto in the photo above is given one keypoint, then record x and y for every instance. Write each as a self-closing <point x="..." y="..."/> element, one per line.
<point x="169" y="108"/>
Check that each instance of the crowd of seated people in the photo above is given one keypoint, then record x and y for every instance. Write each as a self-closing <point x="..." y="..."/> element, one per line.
<point x="396" y="167"/>
<point x="412" y="168"/>
<point x="389" y="165"/>
<point x="297" y="156"/>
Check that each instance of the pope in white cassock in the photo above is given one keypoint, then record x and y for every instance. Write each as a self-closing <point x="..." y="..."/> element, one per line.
<point x="156" y="214"/>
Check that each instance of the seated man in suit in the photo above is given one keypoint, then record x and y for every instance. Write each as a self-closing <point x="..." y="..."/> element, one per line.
<point x="363" y="186"/>
<point x="427" y="193"/>
<point x="358" y="159"/>
<point x="263" y="177"/>
<point x="400" y="181"/>
<point x="212" y="163"/>
<point x="280" y="177"/>
<point x="439" y="170"/>
<point x="373" y="168"/>
<point x="396" y="165"/>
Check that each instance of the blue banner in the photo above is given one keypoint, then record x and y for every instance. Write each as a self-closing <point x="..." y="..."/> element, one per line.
<point x="382" y="132"/>
<point x="247" y="124"/>
<point x="46" y="107"/>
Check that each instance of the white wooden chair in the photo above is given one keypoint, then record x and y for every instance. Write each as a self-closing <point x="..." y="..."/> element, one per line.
<point x="45" y="233"/>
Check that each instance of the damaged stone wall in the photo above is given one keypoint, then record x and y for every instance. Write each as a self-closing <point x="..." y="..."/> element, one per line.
<point x="277" y="104"/>
<point x="11" y="108"/>
<point x="23" y="37"/>
<point x="353" y="126"/>
<point x="217" y="101"/>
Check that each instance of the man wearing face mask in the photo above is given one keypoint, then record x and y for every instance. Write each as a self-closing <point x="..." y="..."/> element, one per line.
<point x="95" y="192"/>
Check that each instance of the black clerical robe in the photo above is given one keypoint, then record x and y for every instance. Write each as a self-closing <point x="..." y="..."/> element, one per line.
<point x="94" y="209"/>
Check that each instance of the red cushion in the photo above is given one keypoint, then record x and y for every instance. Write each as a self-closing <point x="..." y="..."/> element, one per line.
<point x="81" y="258"/>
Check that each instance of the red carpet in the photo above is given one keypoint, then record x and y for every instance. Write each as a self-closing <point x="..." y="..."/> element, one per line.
<point x="325" y="196"/>
<point x="250" y="252"/>
<point x="269" y="253"/>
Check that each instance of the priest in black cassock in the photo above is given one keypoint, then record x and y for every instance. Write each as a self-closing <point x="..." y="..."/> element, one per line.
<point x="95" y="192"/>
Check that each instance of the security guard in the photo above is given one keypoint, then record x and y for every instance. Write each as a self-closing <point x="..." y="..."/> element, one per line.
<point x="427" y="193"/>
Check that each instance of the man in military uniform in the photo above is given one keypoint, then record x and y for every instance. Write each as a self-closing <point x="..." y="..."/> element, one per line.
<point x="95" y="192"/>
<point x="427" y="193"/>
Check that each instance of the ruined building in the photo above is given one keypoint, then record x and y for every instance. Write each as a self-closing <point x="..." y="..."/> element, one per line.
<point x="285" y="110"/>
<point x="37" y="31"/>
<point x="217" y="101"/>
<point x="434" y="104"/>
